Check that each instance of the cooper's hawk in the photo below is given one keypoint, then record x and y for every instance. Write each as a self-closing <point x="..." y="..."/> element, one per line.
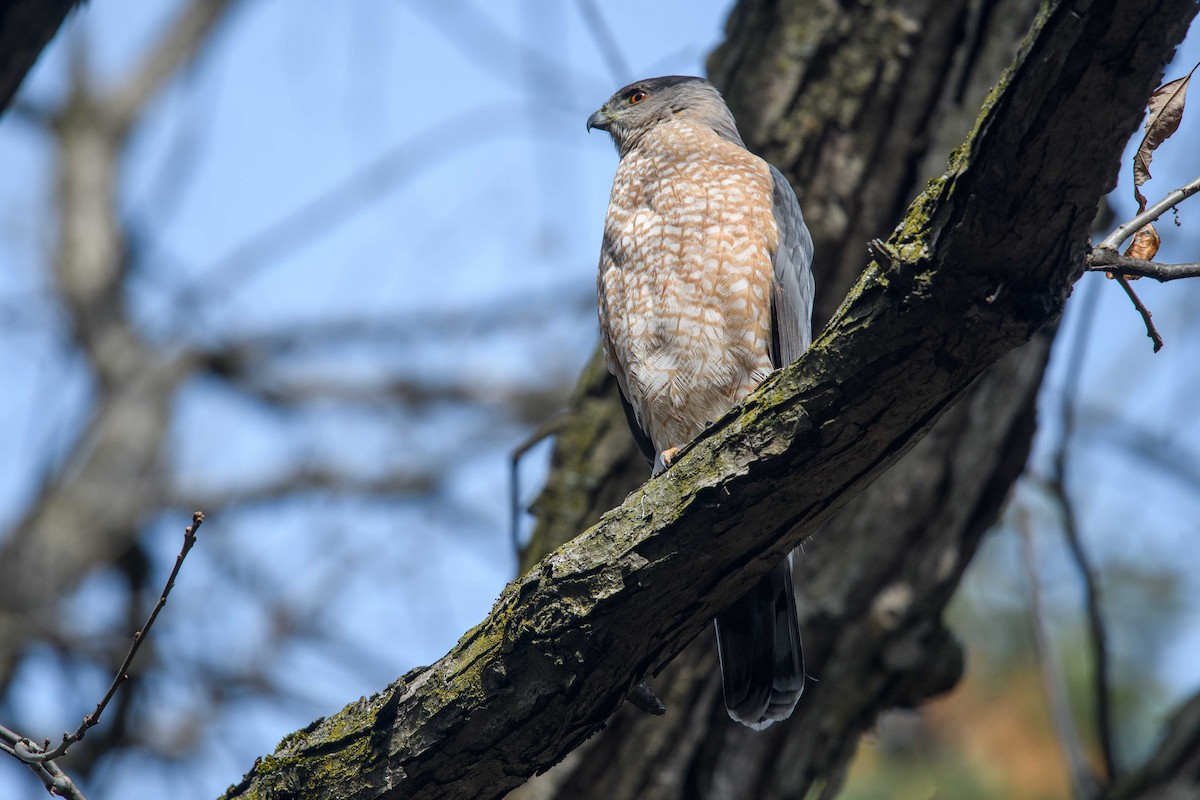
<point x="705" y="286"/>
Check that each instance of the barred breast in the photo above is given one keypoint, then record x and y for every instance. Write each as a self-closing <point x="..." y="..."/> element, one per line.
<point x="685" y="278"/>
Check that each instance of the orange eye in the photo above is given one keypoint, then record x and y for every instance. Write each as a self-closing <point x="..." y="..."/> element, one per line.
<point x="636" y="97"/>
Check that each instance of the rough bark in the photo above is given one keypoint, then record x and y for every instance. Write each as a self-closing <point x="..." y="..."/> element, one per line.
<point x="982" y="262"/>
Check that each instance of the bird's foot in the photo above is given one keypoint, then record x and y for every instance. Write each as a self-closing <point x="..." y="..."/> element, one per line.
<point x="664" y="460"/>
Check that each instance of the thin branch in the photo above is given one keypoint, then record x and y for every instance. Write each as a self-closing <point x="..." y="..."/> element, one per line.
<point x="52" y="777"/>
<point x="1105" y="256"/>
<point x="1111" y="261"/>
<point x="41" y="758"/>
<point x="60" y="783"/>
<point x="1151" y="331"/>
<point x="549" y="428"/>
<point x="40" y="755"/>
<point x="1083" y="780"/>
<point x="1115" y="239"/>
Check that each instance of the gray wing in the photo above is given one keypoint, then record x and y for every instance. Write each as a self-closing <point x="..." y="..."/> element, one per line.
<point x="792" y="294"/>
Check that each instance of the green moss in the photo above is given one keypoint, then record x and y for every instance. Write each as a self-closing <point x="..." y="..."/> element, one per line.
<point x="270" y="764"/>
<point x="347" y="725"/>
<point x="298" y="738"/>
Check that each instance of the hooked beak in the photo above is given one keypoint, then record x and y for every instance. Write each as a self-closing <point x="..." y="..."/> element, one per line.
<point x="599" y="120"/>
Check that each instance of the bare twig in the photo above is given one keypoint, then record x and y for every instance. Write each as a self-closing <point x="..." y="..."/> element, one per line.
<point x="1083" y="781"/>
<point x="1111" y="261"/>
<point x="40" y="758"/>
<point x="1151" y="331"/>
<point x="1107" y="260"/>
<point x="1115" y="239"/>
<point x="41" y="755"/>
<point x="1105" y="256"/>
<point x="52" y="777"/>
<point x="544" y="431"/>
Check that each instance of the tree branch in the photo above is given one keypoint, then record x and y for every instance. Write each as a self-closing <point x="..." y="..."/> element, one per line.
<point x="1112" y="261"/>
<point x="1122" y="232"/>
<point x="93" y="719"/>
<point x="1151" y="331"/>
<point x="41" y="758"/>
<point x="564" y="644"/>
<point x="52" y="777"/>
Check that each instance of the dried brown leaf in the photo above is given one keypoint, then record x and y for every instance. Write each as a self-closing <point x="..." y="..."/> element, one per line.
<point x="1145" y="244"/>
<point x="1166" y="112"/>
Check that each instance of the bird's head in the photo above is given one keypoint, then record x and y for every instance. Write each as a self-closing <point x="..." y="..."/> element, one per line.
<point x="641" y="105"/>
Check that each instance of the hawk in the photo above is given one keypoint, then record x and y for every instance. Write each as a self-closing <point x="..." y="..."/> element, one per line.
<point x="705" y="287"/>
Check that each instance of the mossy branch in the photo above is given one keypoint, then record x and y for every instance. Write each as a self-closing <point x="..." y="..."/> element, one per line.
<point x="984" y="259"/>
